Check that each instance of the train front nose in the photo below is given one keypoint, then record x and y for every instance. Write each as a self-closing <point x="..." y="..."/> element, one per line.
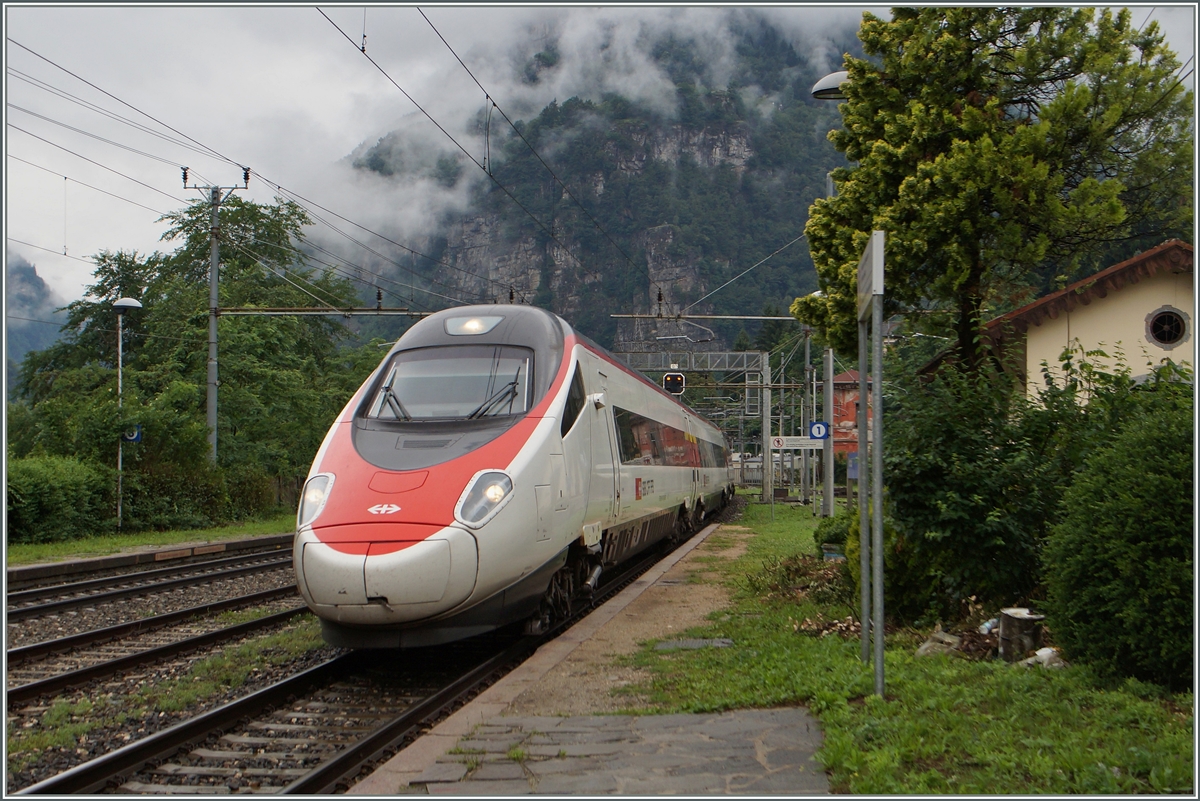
<point x="374" y="575"/>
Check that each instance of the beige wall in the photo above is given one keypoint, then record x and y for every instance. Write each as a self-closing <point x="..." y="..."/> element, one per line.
<point x="1115" y="323"/>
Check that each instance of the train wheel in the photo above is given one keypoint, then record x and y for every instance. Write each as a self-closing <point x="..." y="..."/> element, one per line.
<point x="556" y="603"/>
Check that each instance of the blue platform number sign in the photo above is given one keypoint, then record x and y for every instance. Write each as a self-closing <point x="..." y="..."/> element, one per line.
<point x="132" y="435"/>
<point x="818" y="430"/>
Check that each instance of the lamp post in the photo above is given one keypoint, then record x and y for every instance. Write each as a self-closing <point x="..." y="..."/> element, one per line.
<point x="121" y="306"/>
<point x="870" y="315"/>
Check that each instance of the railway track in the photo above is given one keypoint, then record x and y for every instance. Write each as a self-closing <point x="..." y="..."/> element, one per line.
<point x="314" y="732"/>
<point x="29" y="576"/>
<point x="55" y="665"/>
<point x="53" y="599"/>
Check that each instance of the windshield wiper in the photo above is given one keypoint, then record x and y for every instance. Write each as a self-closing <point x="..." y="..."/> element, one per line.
<point x="393" y="402"/>
<point x="506" y="392"/>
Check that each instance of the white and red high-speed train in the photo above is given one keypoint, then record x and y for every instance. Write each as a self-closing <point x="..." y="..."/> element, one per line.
<point x="486" y="473"/>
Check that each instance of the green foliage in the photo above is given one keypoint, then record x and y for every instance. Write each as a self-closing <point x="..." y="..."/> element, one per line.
<point x="833" y="530"/>
<point x="972" y="487"/>
<point x="282" y="379"/>
<point x="1119" y="567"/>
<point x="975" y="475"/>
<point x="948" y="726"/>
<point x="1002" y="150"/>
<point x="57" y="498"/>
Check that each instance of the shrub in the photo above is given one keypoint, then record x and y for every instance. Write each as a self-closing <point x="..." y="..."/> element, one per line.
<point x="833" y="530"/>
<point x="171" y="497"/>
<point x="53" y="498"/>
<point x="251" y="492"/>
<point x="1119" y="568"/>
<point x="972" y="488"/>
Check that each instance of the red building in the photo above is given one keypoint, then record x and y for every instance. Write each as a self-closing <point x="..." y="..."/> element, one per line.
<point x="845" y="411"/>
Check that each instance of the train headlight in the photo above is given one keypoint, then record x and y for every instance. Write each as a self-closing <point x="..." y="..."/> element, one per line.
<point x="312" y="500"/>
<point x="484" y="496"/>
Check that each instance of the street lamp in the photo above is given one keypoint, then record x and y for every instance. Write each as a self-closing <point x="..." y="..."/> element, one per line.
<point x="121" y="306"/>
<point x="870" y="307"/>
<point x="830" y="87"/>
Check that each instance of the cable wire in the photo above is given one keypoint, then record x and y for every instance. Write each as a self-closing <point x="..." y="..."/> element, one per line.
<point x="48" y="250"/>
<point x="743" y="272"/>
<point x="472" y="159"/>
<point x="81" y="183"/>
<point x="98" y="164"/>
<point x="538" y="156"/>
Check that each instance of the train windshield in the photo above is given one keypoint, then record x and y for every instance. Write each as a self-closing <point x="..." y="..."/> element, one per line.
<point x="467" y="382"/>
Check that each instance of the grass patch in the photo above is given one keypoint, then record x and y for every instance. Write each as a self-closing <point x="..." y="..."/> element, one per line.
<point x="63" y="725"/>
<point x="35" y="553"/>
<point x="946" y="725"/>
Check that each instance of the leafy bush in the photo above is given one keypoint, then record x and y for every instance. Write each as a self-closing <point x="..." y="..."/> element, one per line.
<point x="250" y="491"/>
<point x="174" y="497"/>
<point x="1119" y="567"/>
<point x="973" y="485"/>
<point x="833" y="530"/>
<point x="53" y="498"/>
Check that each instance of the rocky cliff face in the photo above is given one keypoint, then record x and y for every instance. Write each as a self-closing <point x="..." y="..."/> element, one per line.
<point x="536" y="268"/>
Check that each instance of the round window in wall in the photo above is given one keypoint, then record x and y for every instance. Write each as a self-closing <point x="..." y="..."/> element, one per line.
<point x="1167" y="327"/>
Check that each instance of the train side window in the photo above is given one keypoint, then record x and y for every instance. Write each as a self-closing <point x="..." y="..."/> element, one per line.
<point x="576" y="397"/>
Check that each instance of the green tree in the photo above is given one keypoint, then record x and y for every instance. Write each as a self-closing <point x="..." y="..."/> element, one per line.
<point x="283" y="378"/>
<point x="999" y="148"/>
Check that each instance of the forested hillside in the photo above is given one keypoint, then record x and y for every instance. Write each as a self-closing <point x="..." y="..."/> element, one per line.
<point x="681" y="200"/>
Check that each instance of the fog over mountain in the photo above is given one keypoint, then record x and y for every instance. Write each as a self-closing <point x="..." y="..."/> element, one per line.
<point x="29" y="305"/>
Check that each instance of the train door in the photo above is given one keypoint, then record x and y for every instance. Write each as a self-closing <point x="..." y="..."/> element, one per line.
<point x="605" y="496"/>
<point x="693" y="452"/>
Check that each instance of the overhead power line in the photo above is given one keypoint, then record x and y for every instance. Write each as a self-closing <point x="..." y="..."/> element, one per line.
<point x="98" y="164"/>
<point x="81" y="183"/>
<point x="466" y="152"/>
<point x="48" y="250"/>
<point x="538" y="156"/>
<point x="303" y="202"/>
<point x="743" y="272"/>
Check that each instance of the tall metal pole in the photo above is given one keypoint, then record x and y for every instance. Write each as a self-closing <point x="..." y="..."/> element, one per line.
<point x="877" y="480"/>
<point x="806" y="416"/>
<point x="120" y="440"/>
<point x="864" y="492"/>
<point x="213" y="304"/>
<point x="827" y="451"/>
<point x="768" y="457"/>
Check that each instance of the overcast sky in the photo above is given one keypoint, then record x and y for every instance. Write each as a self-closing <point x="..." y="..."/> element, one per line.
<point x="282" y="91"/>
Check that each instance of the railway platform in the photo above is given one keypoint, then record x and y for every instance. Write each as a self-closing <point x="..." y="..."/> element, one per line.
<point x="524" y="735"/>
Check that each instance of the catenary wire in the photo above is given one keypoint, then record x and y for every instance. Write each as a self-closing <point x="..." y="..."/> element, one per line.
<point x="48" y="250"/>
<point x="94" y="136"/>
<point x="538" y="156"/>
<point x="98" y="164"/>
<point x="63" y="94"/>
<point x="743" y="272"/>
<point x="473" y="160"/>
<point x="299" y="199"/>
<point x="81" y="183"/>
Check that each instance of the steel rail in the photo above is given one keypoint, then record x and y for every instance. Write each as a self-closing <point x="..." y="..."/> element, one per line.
<point x="24" y="575"/>
<point x="74" y="678"/>
<point x="24" y="612"/>
<point x="95" y="774"/>
<point x="18" y="596"/>
<point x="325" y="777"/>
<point x="26" y="653"/>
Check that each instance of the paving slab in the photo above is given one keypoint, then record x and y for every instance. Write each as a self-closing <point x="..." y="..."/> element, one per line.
<point x="739" y="752"/>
